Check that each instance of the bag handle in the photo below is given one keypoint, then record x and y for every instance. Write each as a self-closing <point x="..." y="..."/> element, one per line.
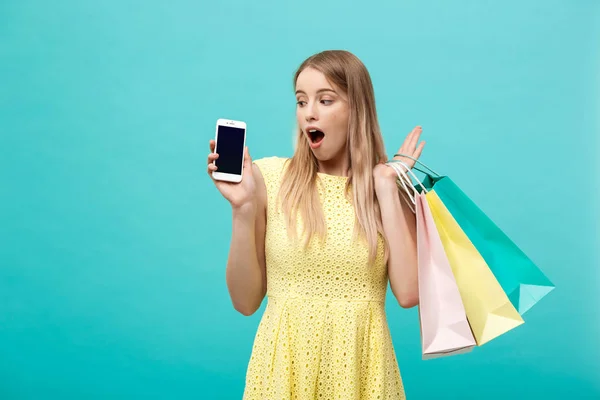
<point x="393" y="163"/>
<point x="408" y="200"/>
<point x="418" y="162"/>
<point x="403" y="180"/>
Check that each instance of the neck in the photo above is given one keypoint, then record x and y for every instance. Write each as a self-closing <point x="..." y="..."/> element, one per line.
<point x="337" y="166"/>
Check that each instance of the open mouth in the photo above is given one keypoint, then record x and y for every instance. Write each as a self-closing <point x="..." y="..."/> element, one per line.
<point x="316" y="136"/>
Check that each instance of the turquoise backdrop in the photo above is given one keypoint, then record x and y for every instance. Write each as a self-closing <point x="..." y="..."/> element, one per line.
<point x="113" y="240"/>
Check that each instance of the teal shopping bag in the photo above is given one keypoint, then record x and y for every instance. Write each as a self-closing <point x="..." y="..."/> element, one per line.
<point x="523" y="282"/>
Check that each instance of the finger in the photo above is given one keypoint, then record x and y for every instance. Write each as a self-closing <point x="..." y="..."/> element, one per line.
<point x="419" y="150"/>
<point x="247" y="158"/>
<point x="212" y="157"/>
<point x="407" y="142"/>
<point x="212" y="144"/>
<point x="416" y="133"/>
<point x="211" y="169"/>
<point x="410" y="142"/>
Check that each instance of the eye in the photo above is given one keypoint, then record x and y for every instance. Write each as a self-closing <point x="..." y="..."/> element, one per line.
<point x="327" y="102"/>
<point x="300" y="103"/>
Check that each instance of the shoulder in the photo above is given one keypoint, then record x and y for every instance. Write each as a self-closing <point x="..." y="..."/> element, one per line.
<point x="270" y="161"/>
<point x="268" y="172"/>
<point x="270" y="167"/>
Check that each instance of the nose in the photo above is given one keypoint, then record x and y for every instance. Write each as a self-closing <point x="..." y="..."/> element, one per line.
<point x="311" y="112"/>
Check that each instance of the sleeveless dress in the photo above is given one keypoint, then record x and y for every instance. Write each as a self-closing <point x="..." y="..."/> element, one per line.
<point x="324" y="333"/>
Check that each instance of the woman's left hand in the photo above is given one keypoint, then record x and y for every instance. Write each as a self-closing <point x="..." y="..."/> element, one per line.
<point x="410" y="148"/>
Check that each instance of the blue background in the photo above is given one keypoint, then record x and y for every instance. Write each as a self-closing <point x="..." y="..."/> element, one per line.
<point x="113" y="239"/>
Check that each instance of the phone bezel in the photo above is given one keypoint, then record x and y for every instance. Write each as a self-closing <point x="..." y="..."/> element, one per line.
<point x="224" y="176"/>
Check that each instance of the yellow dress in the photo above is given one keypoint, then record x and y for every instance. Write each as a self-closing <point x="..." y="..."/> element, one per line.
<point x="324" y="333"/>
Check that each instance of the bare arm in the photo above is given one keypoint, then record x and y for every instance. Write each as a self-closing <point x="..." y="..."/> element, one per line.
<point x="399" y="225"/>
<point x="246" y="270"/>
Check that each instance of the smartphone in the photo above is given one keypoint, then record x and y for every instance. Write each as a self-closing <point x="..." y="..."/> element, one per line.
<point x="230" y="141"/>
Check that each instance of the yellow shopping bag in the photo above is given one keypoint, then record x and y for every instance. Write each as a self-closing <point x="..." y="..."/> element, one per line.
<point x="488" y="308"/>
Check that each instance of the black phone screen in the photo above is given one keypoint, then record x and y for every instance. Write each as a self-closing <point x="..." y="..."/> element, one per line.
<point x="230" y="147"/>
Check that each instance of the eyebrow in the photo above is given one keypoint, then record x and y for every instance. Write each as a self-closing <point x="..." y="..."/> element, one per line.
<point x="318" y="91"/>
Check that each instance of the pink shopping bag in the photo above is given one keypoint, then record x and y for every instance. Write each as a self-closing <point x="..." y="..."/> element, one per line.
<point x="445" y="329"/>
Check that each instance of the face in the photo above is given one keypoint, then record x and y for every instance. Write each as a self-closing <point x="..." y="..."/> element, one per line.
<point x="322" y="113"/>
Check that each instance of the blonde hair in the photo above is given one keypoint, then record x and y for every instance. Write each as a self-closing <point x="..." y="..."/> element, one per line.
<point x="365" y="148"/>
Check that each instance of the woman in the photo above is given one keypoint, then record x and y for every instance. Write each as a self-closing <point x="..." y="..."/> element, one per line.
<point x="320" y="234"/>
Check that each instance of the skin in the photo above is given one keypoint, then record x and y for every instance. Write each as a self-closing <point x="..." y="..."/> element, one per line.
<point x="325" y="107"/>
<point x="399" y="225"/>
<point x="246" y="273"/>
<point x="321" y="105"/>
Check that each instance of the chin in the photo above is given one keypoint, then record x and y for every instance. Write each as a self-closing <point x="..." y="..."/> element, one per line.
<point x="321" y="155"/>
<point x="326" y="152"/>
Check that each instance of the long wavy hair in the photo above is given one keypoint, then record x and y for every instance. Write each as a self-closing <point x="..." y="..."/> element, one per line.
<point x="298" y="191"/>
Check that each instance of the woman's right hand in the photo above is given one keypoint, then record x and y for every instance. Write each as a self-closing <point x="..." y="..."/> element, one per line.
<point x="241" y="196"/>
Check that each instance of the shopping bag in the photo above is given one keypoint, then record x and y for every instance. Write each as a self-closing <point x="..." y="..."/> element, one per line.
<point x="445" y="329"/>
<point x="489" y="311"/>
<point x="523" y="282"/>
